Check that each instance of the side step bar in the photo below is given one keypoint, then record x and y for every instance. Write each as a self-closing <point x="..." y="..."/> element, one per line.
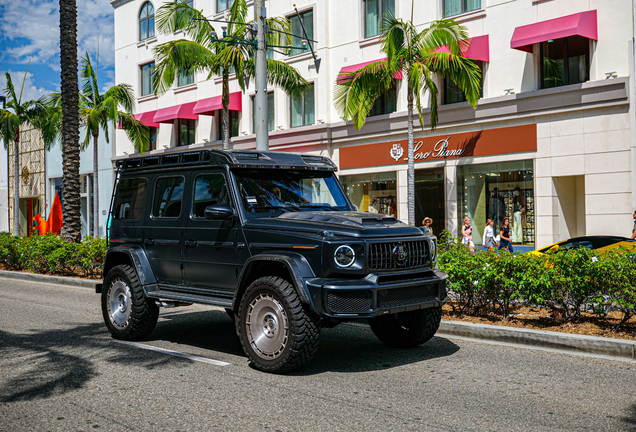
<point x="162" y="293"/>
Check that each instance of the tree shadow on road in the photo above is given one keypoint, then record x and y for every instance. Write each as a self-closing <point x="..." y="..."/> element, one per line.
<point x="630" y="421"/>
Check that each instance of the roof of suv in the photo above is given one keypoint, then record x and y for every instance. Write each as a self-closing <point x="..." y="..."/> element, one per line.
<point x="233" y="158"/>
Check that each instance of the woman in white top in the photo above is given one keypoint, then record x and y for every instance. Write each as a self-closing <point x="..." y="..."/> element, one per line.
<point x="489" y="235"/>
<point x="467" y="233"/>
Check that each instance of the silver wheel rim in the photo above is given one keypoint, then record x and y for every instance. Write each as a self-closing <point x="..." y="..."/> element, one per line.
<point x="267" y="326"/>
<point x="119" y="304"/>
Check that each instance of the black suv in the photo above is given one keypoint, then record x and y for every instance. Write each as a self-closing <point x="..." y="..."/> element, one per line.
<point x="272" y="238"/>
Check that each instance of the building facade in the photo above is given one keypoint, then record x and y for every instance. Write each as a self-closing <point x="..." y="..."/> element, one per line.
<point x="550" y="145"/>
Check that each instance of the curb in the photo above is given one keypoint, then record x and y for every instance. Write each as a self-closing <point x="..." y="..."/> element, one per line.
<point x="54" y="280"/>
<point x="618" y="349"/>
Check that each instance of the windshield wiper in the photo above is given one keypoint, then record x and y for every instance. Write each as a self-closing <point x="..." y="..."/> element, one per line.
<point x="320" y="206"/>
<point x="274" y="207"/>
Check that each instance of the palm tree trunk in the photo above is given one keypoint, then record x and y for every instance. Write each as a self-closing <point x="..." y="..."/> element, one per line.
<point x="410" y="177"/>
<point x="16" y="184"/>
<point x="95" y="187"/>
<point x="72" y="228"/>
<point x="225" y="120"/>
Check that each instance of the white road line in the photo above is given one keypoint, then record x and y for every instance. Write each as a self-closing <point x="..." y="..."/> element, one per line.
<point x="174" y="353"/>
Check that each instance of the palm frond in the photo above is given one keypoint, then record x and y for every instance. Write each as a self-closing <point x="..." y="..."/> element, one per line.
<point x="177" y="55"/>
<point x="442" y="33"/>
<point x="137" y="132"/>
<point x="178" y="15"/>
<point x="10" y="92"/>
<point x="123" y="94"/>
<point x="238" y="13"/>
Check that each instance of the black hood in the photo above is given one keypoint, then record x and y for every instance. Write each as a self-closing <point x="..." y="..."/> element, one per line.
<point x="349" y="218"/>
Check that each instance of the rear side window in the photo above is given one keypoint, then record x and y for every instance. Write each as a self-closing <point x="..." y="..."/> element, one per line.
<point x="130" y="199"/>
<point x="168" y="197"/>
<point x="209" y="189"/>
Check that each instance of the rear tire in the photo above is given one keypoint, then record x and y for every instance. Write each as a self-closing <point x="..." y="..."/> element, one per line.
<point x="276" y="332"/>
<point x="407" y="329"/>
<point x="128" y="314"/>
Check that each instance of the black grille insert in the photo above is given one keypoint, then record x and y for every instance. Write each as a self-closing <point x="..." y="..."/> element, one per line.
<point x="381" y="255"/>
<point x="407" y="296"/>
<point x="349" y="301"/>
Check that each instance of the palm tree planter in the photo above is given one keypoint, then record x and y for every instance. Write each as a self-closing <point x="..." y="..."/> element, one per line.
<point x="417" y="56"/>
<point x="204" y="53"/>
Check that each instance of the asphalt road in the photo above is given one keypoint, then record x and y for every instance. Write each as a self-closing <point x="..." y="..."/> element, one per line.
<point x="60" y="370"/>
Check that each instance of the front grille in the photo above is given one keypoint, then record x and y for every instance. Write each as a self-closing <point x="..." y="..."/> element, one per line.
<point x="349" y="301"/>
<point x="381" y="256"/>
<point x="407" y="296"/>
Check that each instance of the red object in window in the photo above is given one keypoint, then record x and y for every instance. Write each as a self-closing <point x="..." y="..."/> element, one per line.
<point x="56" y="217"/>
<point x="580" y="24"/>
<point x="349" y="69"/>
<point x="168" y="115"/>
<point x="209" y="105"/>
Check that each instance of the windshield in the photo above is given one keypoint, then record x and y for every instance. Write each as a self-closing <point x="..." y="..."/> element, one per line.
<point x="270" y="191"/>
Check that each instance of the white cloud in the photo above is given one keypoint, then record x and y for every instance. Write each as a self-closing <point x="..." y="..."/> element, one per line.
<point x="30" y="92"/>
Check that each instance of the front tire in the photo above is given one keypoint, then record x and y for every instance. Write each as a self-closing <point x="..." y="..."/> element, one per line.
<point x="128" y="314"/>
<point x="276" y="332"/>
<point x="407" y="329"/>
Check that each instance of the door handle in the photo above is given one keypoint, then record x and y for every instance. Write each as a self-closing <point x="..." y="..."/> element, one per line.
<point x="191" y="243"/>
<point x="149" y="241"/>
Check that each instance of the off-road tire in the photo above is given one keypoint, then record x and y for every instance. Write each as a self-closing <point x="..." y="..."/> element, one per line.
<point x="136" y="318"/>
<point x="407" y="329"/>
<point x="275" y="299"/>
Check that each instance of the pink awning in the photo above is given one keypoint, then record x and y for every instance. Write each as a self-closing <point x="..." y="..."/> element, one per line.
<point x="477" y="50"/>
<point x="580" y="24"/>
<point x="147" y="118"/>
<point x="183" y="111"/>
<point x="349" y="69"/>
<point x="208" y="106"/>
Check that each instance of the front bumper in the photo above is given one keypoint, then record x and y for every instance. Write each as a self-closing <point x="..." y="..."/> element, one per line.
<point x="377" y="294"/>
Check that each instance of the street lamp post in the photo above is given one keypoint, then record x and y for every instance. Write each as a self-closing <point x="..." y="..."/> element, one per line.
<point x="260" y="99"/>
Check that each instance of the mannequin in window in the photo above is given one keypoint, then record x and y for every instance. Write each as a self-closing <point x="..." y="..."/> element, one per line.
<point x="496" y="207"/>
<point x="391" y="207"/>
<point x="373" y="205"/>
<point x="519" y="214"/>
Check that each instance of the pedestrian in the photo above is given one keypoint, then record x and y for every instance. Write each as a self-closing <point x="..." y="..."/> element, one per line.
<point x="504" y="235"/>
<point x="634" y="228"/>
<point x="467" y="232"/>
<point x="489" y="235"/>
<point x="427" y="228"/>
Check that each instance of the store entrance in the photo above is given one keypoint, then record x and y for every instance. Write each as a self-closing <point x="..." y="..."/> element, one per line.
<point x="29" y="207"/>
<point x="429" y="198"/>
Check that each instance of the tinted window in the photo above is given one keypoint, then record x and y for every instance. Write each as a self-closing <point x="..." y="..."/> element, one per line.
<point x="209" y="189"/>
<point x="168" y="196"/>
<point x="130" y="199"/>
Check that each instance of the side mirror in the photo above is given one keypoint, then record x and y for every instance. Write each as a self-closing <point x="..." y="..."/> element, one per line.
<point x="218" y="212"/>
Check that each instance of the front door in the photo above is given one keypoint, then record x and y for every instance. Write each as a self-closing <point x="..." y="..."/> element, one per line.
<point x="430" y="200"/>
<point x="210" y="245"/>
<point x="163" y="231"/>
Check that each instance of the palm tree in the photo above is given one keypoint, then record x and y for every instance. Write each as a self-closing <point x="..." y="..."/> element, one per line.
<point x="17" y="114"/>
<point x="203" y="53"/>
<point x="96" y="111"/>
<point x="418" y="57"/>
<point x="72" y="228"/>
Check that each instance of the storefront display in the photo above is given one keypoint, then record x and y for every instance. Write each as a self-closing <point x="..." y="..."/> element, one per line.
<point x="497" y="191"/>
<point x="375" y="192"/>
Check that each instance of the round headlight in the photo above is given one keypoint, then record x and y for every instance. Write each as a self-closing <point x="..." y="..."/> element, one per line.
<point x="433" y="250"/>
<point x="344" y="256"/>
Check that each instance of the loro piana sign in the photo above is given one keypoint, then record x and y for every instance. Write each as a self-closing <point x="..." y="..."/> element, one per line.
<point x="466" y="144"/>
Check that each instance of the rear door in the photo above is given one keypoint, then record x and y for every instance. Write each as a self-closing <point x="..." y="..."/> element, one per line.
<point x="210" y="245"/>
<point x="163" y="232"/>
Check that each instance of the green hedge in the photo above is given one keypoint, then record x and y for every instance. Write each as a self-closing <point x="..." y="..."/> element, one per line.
<point x="51" y="254"/>
<point x="565" y="282"/>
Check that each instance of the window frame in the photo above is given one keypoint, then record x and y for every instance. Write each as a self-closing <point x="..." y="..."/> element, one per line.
<point x="446" y="81"/>
<point x="189" y="125"/>
<point x="118" y="200"/>
<point x="194" y="192"/>
<point x="154" y="198"/>
<point x="566" y="64"/>
<point x="141" y="72"/>
<point x="381" y="15"/>
<point x="146" y="21"/>
<point x="382" y="102"/>
<point x="313" y="88"/>
<point x="463" y="7"/>
<point x="189" y="78"/>
<point x="229" y="5"/>
<point x="313" y="20"/>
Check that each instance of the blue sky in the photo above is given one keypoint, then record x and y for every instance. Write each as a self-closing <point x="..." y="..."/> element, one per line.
<point x="29" y="30"/>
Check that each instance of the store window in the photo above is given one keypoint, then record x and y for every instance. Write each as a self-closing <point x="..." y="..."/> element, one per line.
<point x="456" y="7"/>
<point x="498" y="190"/>
<point x="430" y="199"/>
<point x="234" y="123"/>
<point x="223" y="5"/>
<point x="385" y="104"/>
<point x="302" y="109"/>
<point x="296" y="28"/>
<point x="153" y="138"/>
<point x="146" y="78"/>
<point x="146" y="21"/>
<point x="375" y="192"/>
<point x="184" y="78"/>
<point x="452" y="92"/>
<point x="374" y="10"/>
<point x="565" y="61"/>
<point x="270" y="112"/>
<point x="186" y="129"/>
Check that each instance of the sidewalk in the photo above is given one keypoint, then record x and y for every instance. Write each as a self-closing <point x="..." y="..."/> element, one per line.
<point x="614" y="349"/>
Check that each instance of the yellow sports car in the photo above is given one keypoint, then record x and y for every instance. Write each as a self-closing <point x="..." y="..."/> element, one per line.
<point x="599" y="243"/>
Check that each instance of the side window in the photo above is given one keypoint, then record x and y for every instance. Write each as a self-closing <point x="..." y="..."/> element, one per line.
<point x="168" y="197"/>
<point x="130" y="199"/>
<point x="209" y="189"/>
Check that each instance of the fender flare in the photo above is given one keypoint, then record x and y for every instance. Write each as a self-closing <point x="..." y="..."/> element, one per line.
<point x="296" y="264"/>
<point x="139" y="260"/>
